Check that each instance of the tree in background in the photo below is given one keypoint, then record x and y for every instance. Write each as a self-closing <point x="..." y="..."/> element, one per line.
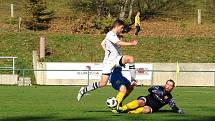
<point x="40" y="16"/>
<point x="99" y="6"/>
<point x="130" y="9"/>
<point x="123" y="7"/>
<point x="103" y="10"/>
<point x="152" y="8"/>
<point x="210" y="8"/>
<point x="126" y="9"/>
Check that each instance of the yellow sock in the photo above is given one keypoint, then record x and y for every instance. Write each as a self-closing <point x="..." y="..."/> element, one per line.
<point x="120" y="97"/>
<point x="131" y="105"/>
<point x="137" y="111"/>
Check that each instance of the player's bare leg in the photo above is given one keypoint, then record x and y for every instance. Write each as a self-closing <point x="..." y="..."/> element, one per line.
<point x="93" y="86"/>
<point x="130" y="59"/>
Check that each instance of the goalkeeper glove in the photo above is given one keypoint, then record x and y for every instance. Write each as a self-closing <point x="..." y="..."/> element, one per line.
<point x="180" y="111"/>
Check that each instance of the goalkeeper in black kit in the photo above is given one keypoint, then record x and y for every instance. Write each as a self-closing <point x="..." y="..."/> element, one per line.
<point x="158" y="97"/>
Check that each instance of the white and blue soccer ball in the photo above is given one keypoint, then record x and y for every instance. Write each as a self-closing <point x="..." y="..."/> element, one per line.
<point x="111" y="102"/>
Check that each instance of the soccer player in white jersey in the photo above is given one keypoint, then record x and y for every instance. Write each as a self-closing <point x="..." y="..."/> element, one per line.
<point x="112" y="58"/>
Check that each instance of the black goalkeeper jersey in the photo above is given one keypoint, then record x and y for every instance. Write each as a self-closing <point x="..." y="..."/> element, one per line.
<point x="158" y="98"/>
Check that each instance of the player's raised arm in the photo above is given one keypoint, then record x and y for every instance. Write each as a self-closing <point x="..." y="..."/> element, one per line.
<point x="123" y="43"/>
<point x="103" y="44"/>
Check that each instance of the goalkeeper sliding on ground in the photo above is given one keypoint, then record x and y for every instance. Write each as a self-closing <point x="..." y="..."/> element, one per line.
<point x="122" y="84"/>
<point x="158" y="97"/>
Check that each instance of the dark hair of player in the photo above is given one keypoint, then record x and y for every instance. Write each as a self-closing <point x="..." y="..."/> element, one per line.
<point x="118" y="22"/>
<point x="170" y="80"/>
<point x="120" y="36"/>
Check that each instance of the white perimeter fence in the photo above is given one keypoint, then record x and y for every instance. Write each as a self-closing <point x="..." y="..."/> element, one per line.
<point x="85" y="77"/>
<point x="62" y="73"/>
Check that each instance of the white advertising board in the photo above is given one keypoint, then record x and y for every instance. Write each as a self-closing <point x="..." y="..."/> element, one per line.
<point x="81" y="70"/>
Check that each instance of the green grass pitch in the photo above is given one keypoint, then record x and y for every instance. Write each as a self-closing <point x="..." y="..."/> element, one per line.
<point x="58" y="103"/>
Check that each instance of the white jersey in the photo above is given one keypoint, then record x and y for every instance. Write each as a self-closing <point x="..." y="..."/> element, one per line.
<point x="110" y="47"/>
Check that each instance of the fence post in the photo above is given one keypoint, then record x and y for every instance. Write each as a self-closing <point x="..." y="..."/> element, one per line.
<point x="42" y="47"/>
<point x="214" y="78"/>
<point x="13" y="66"/>
<point x="199" y="16"/>
<point x="11" y="10"/>
<point x="19" y="24"/>
<point x="23" y="77"/>
<point x="88" y="76"/>
<point x="152" y="82"/>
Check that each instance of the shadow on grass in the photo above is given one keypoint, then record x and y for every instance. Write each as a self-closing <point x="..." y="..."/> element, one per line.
<point x="186" y="117"/>
<point x="164" y="111"/>
<point x="206" y="118"/>
<point x="50" y="118"/>
<point x="85" y="119"/>
<point x="27" y="118"/>
<point x="98" y="111"/>
<point x="102" y="111"/>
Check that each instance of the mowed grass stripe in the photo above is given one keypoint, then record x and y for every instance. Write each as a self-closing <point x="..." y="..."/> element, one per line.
<point x="58" y="103"/>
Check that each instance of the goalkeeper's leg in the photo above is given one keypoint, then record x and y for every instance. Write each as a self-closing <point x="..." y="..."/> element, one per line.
<point x="133" y="105"/>
<point x="137" y="111"/>
<point x="145" y="109"/>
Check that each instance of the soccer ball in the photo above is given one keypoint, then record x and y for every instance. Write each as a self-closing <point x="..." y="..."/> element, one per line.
<point x="111" y="102"/>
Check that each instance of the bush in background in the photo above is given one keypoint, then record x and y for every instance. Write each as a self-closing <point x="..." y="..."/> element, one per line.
<point x="40" y="16"/>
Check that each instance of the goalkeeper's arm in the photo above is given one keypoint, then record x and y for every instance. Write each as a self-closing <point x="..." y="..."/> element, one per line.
<point x="175" y="109"/>
<point x="157" y="93"/>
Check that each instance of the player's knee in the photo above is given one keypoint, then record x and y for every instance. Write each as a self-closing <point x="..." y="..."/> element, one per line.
<point x="131" y="59"/>
<point x="123" y="89"/>
<point x="147" y="109"/>
<point x="102" y="84"/>
<point x="104" y="80"/>
<point x="128" y="59"/>
<point x="141" y="102"/>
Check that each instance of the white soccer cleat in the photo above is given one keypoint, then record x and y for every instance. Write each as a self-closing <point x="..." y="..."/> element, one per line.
<point x="114" y="111"/>
<point x="120" y="109"/>
<point x="117" y="110"/>
<point x="80" y="95"/>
